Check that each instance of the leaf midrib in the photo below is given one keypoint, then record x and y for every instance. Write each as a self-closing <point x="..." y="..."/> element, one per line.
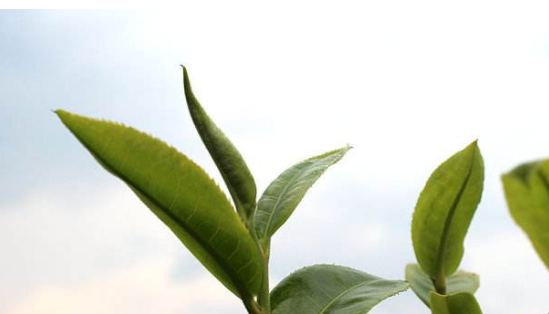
<point x="277" y="203"/>
<point x="339" y="296"/>
<point x="448" y="223"/>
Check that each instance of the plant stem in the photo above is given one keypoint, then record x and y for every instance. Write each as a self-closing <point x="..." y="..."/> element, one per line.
<point x="264" y="297"/>
<point x="251" y="306"/>
<point x="440" y="283"/>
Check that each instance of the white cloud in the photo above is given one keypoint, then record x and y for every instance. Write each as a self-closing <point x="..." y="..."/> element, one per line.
<point x="142" y="288"/>
<point x="62" y="237"/>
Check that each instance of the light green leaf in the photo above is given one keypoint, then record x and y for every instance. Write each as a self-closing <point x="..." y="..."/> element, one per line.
<point x="422" y="284"/>
<point x="284" y="194"/>
<point x="527" y="192"/>
<point x="228" y="160"/>
<point x="460" y="303"/>
<point x="444" y="211"/>
<point x="330" y="289"/>
<point x="181" y="194"/>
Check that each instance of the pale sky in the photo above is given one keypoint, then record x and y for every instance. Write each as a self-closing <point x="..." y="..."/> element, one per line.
<point x="407" y="83"/>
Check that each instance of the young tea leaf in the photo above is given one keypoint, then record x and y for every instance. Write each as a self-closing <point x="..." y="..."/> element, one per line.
<point x="444" y="211"/>
<point x="228" y="160"/>
<point x="527" y="193"/>
<point x="181" y="194"/>
<point x="329" y="289"/>
<point x="460" y="303"/>
<point x="422" y="284"/>
<point x="284" y="194"/>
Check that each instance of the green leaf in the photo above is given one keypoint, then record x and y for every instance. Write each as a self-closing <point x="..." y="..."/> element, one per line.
<point x="422" y="284"/>
<point x="527" y="192"/>
<point x="284" y="194"/>
<point x="181" y="194"/>
<point x="228" y="160"/>
<point x="329" y="289"/>
<point x="444" y="211"/>
<point x="460" y="303"/>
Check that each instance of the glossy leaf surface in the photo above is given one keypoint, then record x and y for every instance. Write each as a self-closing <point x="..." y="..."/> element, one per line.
<point x="227" y="158"/>
<point x="445" y="209"/>
<point x="180" y="193"/>
<point x="527" y="193"/>
<point x="329" y="289"/>
<point x="460" y="303"/>
<point x="283" y="195"/>
<point x="422" y="284"/>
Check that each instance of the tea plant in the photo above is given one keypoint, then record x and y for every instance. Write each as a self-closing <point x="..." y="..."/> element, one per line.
<point x="232" y="243"/>
<point x="440" y="222"/>
<point x="442" y="217"/>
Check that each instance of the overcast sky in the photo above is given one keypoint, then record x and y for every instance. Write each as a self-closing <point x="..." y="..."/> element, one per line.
<point x="406" y="83"/>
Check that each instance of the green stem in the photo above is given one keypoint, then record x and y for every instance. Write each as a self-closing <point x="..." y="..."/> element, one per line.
<point x="440" y="283"/>
<point x="251" y="306"/>
<point x="264" y="297"/>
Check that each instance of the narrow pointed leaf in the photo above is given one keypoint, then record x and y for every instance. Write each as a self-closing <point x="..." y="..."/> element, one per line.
<point x="284" y="194"/>
<point x="422" y="284"/>
<point x="178" y="192"/>
<point x="330" y="289"/>
<point x="460" y="303"/>
<point x="444" y="211"/>
<point x="527" y="194"/>
<point x="227" y="158"/>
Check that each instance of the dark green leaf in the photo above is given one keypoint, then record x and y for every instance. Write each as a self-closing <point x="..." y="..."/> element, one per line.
<point x="228" y="160"/>
<point x="284" y="194"/>
<point x="460" y="303"/>
<point x="181" y="194"/>
<point x="422" y="284"/>
<point x="527" y="193"/>
<point x="444" y="211"/>
<point x="329" y="289"/>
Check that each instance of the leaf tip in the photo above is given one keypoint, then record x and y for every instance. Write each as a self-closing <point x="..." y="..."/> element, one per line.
<point x="58" y="111"/>
<point x="63" y="115"/>
<point x="473" y="150"/>
<point x="474" y="144"/>
<point x="189" y="95"/>
<point x="186" y="81"/>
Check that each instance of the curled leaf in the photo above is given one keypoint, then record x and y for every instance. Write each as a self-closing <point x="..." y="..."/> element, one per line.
<point x="459" y="303"/>
<point x="422" y="285"/>
<point x="227" y="158"/>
